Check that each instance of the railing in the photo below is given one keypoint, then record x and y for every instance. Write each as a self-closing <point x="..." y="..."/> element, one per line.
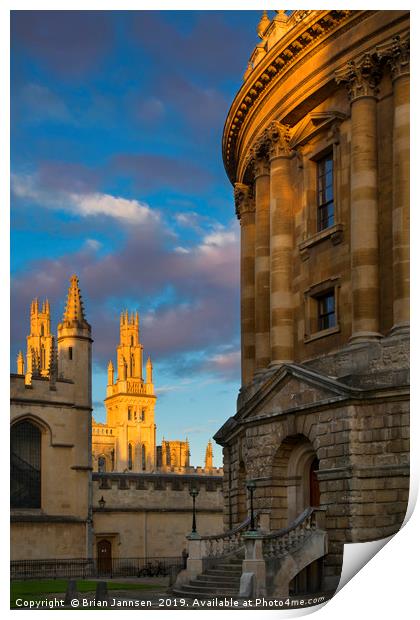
<point x="226" y="543"/>
<point x="90" y="568"/>
<point x="279" y="543"/>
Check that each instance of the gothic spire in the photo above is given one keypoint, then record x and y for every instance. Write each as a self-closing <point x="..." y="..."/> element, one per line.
<point x="74" y="307"/>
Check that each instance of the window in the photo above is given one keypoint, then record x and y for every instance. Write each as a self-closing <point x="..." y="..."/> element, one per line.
<point x="130" y="456"/>
<point x="143" y="457"/>
<point x="325" y="192"/>
<point x="25" y="466"/>
<point x="129" y="413"/>
<point x="70" y="353"/>
<point x="326" y="311"/>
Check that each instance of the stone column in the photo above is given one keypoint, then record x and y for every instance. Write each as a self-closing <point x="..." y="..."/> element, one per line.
<point x="281" y="245"/>
<point x="245" y="210"/>
<point x="362" y="79"/>
<point x="262" y="264"/>
<point x="400" y="71"/>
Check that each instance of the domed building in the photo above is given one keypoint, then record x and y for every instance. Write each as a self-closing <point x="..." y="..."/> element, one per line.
<point x="316" y="146"/>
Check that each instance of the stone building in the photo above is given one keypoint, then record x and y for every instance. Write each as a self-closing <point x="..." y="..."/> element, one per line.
<point x="51" y="405"/>
<point x="127" y="441"/>
<point x="316" y="145"/>
<point x="138" y="504"/>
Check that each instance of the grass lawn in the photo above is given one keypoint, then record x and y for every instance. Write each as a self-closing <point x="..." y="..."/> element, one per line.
<point x="34" y="590"/>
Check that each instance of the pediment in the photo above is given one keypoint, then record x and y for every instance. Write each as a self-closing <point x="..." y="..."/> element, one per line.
<point x="313" y="124"/>
<point x="294" y="387"/>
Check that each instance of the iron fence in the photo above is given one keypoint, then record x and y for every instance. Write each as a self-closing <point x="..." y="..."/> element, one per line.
<point x="91" y="568"/>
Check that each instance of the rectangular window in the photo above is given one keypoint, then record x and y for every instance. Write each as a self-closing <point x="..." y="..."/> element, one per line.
<point x="326" y="311"/>
<point x="70" y="353"/>
<point x="129" y="413"/>
<point x="325" y="192"/>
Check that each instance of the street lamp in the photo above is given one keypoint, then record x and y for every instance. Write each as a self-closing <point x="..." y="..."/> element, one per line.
<point x="102" y="503"/>
<point x="251" y="486"/>
<point x="194" y="492"/>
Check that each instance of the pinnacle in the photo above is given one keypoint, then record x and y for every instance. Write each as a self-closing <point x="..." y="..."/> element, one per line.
<point x="74" y="308"/>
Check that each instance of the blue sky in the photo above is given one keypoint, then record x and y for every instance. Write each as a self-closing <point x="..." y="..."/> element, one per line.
<point x="117" y="176"/>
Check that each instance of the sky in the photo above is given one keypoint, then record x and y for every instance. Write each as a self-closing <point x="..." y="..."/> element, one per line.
<point x="117" y="176"/>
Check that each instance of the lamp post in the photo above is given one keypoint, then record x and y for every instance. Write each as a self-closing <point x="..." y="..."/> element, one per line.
<point x="251" y="486"/>
<point x="102" y="503"/>
<point x="194" y="492"/>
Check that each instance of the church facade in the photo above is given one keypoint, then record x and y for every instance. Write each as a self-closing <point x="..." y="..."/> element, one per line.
<point x="316" y="145"/>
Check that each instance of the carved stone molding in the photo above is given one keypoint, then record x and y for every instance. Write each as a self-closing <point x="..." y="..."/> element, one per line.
<point x="361" y="77"/>
<point x="244" y="200"/>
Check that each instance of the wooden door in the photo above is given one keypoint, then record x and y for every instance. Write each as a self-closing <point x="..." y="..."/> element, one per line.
<point x="104" y="549"/>
<point x="314" y="495"/>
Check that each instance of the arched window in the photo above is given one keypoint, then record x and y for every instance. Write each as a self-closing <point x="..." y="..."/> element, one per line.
<point x="43" y="361"/>
<point x="143" y="457"/>
<point x="130" y="456"/>
<point x="25" y="465"/>
<point x="101" y="464"/>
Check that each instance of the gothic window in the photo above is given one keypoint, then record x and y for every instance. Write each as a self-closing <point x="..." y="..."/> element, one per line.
<point x="70" y="353"/>
<point x="325" y="199"/>
<point x="101" y="464"/>
<point x="130" y="456"/>
<point x="129" y="413"/>
<point x="113" y="459"/>
<point x="25" y="466"/>
<point x="143" y="457"/>
<point x="43" y="364"/>
<point x="42" y="329"/>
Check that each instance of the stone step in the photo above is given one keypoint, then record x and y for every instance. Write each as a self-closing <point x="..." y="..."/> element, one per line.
<point x="228" y="583"/>
<point x="190" y="590"/>
<point x="202" y="595"/>
<point x="224" y="577"/>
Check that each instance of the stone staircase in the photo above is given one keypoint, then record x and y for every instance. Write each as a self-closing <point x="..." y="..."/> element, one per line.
<point x="222" y="580"/>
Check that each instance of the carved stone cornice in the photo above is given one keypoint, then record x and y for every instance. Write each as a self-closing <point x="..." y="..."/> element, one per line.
<point x="361" y="77"/>
<point x="396" y="53"/>
<point x="244" y="199"/>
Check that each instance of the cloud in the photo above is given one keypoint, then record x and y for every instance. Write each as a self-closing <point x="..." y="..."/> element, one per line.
<point x="149" y="171"/>
<point x="29" y="187"/>
<point x="196" y="323"/>
<point x="213" y="46"/>
<point x="71" y="43"/>
<point x="34" y="103"/>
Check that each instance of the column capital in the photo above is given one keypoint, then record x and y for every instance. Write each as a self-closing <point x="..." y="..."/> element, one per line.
<point x="244" y="199"/>
<point x="361" y="77"/>
<point x="278" y="138"/>
<point x="261" y="164"/>
<point x="399" y="57"/>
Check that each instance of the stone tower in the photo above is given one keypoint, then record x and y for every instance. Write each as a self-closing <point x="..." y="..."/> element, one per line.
<point x="39" y="342"/>
<point x="75" y="346"/>
<point x="130" y="404"/>
<point x="208" y="462"/>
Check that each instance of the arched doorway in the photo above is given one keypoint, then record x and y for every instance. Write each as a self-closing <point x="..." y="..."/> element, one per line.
<point x="294" y="485"/>
<point x="104" y="551"/>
